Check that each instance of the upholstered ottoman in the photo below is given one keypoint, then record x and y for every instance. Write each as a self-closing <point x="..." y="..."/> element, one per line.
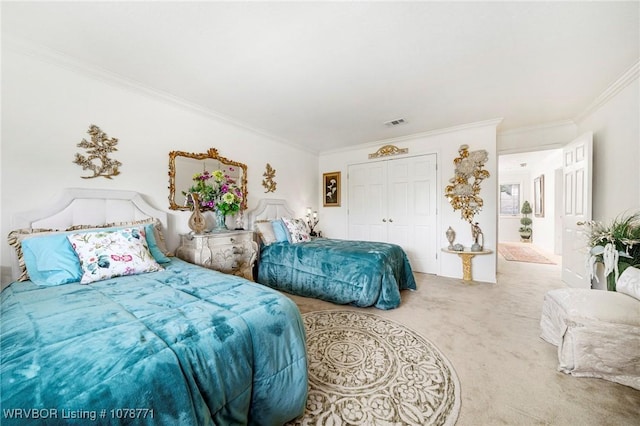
<point x="597" y="333"/>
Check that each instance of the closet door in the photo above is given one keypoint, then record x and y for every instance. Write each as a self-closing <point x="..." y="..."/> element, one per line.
<point x="367" y="202"/>
<point x="395" y="201"/>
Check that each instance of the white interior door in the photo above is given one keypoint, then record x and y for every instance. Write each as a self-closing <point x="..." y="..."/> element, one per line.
<point x="367" y="207"/>
<point x="577" y="178"/>
<point x="395" y="201"/>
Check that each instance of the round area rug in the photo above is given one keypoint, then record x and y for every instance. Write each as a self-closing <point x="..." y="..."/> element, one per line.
<point x="367" y="370"/>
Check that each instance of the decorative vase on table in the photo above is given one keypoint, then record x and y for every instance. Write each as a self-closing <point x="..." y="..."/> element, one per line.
<point x="197" y="222"/>
<point x="451" y="236"/>
<point x="221" y="222"/>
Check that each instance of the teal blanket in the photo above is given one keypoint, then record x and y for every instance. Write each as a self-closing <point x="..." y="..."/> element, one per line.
<point x="360" y="273"/>
<point x="184" y="346"/>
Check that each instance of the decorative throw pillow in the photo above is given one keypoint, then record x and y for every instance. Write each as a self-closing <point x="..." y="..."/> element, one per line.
<point x="157" y="233"/>
<point x="297" y="229"/>
<point x="265" y="230"/>
<point x="629" y="282"/>
<point x="107" y="254"/>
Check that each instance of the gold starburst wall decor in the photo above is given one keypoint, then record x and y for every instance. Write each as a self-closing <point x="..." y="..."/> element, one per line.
<point x="98" y="150"/>
<point x="465" y="185"/>
<point x="268" y="182"/>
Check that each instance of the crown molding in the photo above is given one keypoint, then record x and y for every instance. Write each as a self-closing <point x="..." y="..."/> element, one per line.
<point x="536" y="127"/>
<point x="614" y="88"/>
<point x="57" y="58"/>
<point x="430" y="133"/>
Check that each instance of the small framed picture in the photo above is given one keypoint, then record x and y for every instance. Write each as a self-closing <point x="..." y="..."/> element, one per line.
<point x="331" y="183"/>
<point x="538" y="196"/>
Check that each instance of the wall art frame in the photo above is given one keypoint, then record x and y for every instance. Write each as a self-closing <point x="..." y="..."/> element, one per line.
<point x="538" y="196"/>
<point x="331" y="189"/>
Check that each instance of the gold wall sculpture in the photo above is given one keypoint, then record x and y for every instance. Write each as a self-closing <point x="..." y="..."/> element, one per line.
<point x="464" y="188"/>
<point x="98" y="150"/>
<point x="268" y="182"/>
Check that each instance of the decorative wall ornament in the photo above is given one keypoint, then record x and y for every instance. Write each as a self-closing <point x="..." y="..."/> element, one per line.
<point x="388" y="150"/>
<point x="465" y="185"/>
<point x="268" y="182"/>
<point x="98" y="150"/>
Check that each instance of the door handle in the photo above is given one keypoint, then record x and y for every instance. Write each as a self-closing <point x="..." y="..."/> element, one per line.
<point x="390" y="220"/>
<point x="384" y="220"/>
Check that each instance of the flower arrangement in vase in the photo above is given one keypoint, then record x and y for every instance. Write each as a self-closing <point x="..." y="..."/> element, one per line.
<point x="217" y="191"/>
<point x="616" y="246"/>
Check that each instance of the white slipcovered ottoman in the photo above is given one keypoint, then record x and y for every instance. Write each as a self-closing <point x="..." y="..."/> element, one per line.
<point x="597" y="333"/>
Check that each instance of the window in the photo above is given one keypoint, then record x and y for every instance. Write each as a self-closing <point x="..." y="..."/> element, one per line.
<point x="510" y="199"/>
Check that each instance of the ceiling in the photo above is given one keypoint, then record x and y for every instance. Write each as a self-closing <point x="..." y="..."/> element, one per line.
<point x="326" y="75"/>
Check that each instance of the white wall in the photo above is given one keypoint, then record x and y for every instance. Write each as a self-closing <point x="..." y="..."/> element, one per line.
<point x="616" y="153"/>
<point x="445" y="144"/>
<point x="47" y="109"/>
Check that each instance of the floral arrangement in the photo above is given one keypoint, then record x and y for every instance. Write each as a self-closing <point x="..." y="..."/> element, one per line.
<point x="217" y="191"/>
<point x="616" y="246"/>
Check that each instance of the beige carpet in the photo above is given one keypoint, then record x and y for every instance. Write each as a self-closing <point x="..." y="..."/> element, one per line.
<point x="367" y="370"/>
<point x="522" y="253"/>
<point x="490" y="334"/>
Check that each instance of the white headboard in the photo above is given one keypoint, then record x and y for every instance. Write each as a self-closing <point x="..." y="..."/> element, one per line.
<point x="82" y="206"/>
<point x="270" y="209"/>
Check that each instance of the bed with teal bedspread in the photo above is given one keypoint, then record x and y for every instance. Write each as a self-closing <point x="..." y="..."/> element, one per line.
<point x="186" y="346"/>
<point x="360" y="273"/>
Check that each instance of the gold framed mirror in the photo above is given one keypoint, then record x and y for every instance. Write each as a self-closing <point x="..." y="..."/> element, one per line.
<point x="184" y="165"/>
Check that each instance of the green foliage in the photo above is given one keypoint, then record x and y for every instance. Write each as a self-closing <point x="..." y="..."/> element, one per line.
<point x="623" y="234"/>
<point x="526" y="222"/>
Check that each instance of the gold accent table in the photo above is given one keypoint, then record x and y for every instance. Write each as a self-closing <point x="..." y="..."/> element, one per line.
<point x="466" y="257"/>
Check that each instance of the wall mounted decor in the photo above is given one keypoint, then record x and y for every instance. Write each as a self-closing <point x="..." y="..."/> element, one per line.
<point x="211" y="168"/>
<point x="98" y="150"/>
<point x="331" y="182"/>
<point x="538" y="196"/>
<point x="388" y="150"/>
<point x="465" y="185"/>
<point x="268" y="182"/>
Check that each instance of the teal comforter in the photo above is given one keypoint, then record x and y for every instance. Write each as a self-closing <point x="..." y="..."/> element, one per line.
<point x="360" y="273"/>
<point x="184" y="346"/>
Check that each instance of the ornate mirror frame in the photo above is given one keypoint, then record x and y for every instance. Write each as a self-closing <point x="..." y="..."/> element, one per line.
<point x="212" y="154"/>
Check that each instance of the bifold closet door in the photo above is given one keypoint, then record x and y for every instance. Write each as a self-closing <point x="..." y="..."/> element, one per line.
<point x="395" y="201"/>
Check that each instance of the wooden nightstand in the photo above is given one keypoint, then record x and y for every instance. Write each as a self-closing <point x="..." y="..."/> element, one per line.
<point x="232" y="252"/>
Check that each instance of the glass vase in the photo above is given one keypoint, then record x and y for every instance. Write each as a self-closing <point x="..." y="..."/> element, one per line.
<point x="221" y="222"/>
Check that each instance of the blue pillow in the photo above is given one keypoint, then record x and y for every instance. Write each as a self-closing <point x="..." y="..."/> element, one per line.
<point x="157" y="254"/>
<point x="280" y="230"/>
<point x="51" y="260"/>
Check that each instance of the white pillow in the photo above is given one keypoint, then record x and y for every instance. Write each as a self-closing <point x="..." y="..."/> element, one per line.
<point x="629" y="282"/>
<point x="297" y="229"/>
<point x="265" y="230"/>
<point x="108" y="254"/>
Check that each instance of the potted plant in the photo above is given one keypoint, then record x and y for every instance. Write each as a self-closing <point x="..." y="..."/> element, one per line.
<point x="615" y="245"/>
<point x="525" y="229"/>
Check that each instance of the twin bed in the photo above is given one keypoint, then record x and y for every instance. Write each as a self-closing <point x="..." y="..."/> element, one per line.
<point x="359" y="273"/>
<point x="180" y="344"/>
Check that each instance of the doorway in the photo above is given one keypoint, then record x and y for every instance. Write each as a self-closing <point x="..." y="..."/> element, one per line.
<point x="535" y="177"/>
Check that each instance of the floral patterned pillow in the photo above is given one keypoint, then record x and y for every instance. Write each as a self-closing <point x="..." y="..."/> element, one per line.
<point x="108" y="254"/>
<point x="297" y="229"/>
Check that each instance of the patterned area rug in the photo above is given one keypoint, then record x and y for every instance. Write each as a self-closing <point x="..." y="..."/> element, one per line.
<point x="520" y="253"/>
<point x="367" y="370"/>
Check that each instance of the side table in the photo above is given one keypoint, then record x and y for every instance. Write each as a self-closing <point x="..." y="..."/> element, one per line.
<point x="232" y="252"/>
<point x="466" y="255"/>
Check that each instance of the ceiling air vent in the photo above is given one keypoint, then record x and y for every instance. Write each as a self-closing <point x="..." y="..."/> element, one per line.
<point x="396" y="122"/>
